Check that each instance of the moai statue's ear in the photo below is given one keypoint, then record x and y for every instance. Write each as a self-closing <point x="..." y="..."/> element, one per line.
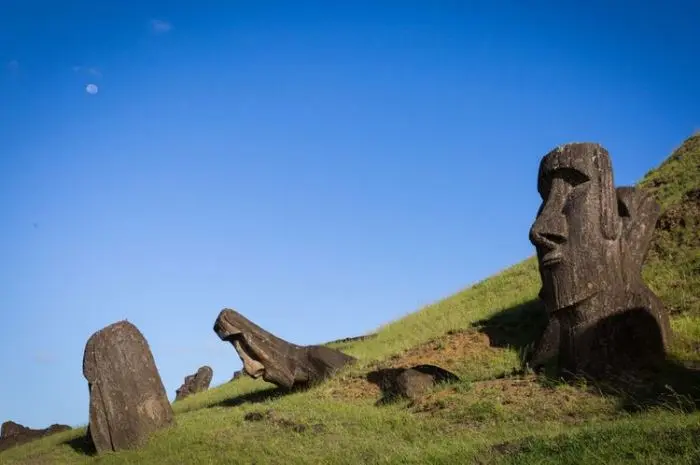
<point x="610" y="223"/>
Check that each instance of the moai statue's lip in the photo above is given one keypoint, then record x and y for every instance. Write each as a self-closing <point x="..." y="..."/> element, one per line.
<point x="551" y="258"/>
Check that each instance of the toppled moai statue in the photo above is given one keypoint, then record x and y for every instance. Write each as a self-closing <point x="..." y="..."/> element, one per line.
<point x="591" y="241"/>
<point x="14" y="434"/>
<point x="276" y="360"/>
<point x="127" y="399"/>
<point x="197" y="382"/>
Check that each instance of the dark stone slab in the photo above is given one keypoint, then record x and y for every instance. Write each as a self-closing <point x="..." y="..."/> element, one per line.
<point x="411" y="383"/>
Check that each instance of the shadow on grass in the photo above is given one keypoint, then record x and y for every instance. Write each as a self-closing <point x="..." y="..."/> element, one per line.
<point x="672" y="444"/>
<point x="518" y="327"/>
<point x="82" y="444"/>
<point x="673" y="385"/>
<point x="257" y="397"/>
<point x="669" y="383"/>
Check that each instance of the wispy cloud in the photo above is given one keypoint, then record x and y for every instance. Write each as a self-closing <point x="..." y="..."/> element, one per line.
<point x="160" y="26"/>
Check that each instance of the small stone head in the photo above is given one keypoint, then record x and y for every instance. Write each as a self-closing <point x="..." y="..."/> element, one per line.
<point x="577" y="229"/>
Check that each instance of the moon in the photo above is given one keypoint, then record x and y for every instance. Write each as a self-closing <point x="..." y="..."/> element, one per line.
<point x="91" y="89"/>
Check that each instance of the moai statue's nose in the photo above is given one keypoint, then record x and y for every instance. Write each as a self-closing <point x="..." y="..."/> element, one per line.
<point x="549" y="229"/>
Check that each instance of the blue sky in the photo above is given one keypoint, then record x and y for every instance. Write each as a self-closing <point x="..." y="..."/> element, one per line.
<point x="322" y="169"/>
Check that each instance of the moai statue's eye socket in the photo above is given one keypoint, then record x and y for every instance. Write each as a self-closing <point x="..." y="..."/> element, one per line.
<point x="572" y="177"/>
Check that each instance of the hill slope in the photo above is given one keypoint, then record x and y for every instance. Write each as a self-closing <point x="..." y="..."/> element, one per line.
<point x="497" y="413"/>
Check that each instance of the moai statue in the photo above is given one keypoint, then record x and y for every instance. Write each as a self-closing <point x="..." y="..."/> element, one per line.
<point x="591" y="241"/>
<point x="13" y="434"/>
<point x="127" y="398"/>
<point x="197" y="382"/>
<point x="280" y="362"/>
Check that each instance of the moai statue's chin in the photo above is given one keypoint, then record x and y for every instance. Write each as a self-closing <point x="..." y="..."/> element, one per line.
<point x="276" y="360"/>
<point x="591" y="240"/>
<point x="127" y="398"/>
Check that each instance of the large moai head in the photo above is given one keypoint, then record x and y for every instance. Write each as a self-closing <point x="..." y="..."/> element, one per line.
<point x="591" y="241"/>
<point x="577" y="230"/>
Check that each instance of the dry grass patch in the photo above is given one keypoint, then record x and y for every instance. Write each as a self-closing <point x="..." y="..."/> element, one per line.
<point x="457" y="351"/>
<point x="527" y="399"/>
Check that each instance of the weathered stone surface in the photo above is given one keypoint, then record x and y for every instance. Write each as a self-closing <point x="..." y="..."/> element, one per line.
<point x="14" y="434"/>
<point x="127" y="398"/>
<point x="197" y="382"/>
<point x="591" y="241"/>
<point x="276" y="360"/>
<point x="411" y="383"/>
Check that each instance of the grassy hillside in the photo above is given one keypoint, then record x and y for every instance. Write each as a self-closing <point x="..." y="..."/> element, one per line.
<point x="497" y="413"/>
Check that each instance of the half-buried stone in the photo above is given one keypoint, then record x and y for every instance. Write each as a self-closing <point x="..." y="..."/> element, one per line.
<point x="411" y="383"/>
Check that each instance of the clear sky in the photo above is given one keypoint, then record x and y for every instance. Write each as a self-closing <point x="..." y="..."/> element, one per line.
<point x="323" y="168"/>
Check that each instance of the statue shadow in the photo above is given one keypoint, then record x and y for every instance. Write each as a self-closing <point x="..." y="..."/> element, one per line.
<point x="257" y="397"/>
<point x="673" y="385"/>
<point x="516" y="328"/>
<point x="640" y="372"/>
<point x="82" y="444"/>
<point x="666" y="382"/>
<point x="385" y="380"/>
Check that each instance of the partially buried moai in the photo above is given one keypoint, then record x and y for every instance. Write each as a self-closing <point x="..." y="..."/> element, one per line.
<point x="197" y="382"/>
<point x="275" y="360"/>
<point x="591" y="241"/>
<point x="127" y="397"/>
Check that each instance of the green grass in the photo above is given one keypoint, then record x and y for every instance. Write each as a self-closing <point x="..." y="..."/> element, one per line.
<point x="495" y="414"/>
<point x="672" y="269"/>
